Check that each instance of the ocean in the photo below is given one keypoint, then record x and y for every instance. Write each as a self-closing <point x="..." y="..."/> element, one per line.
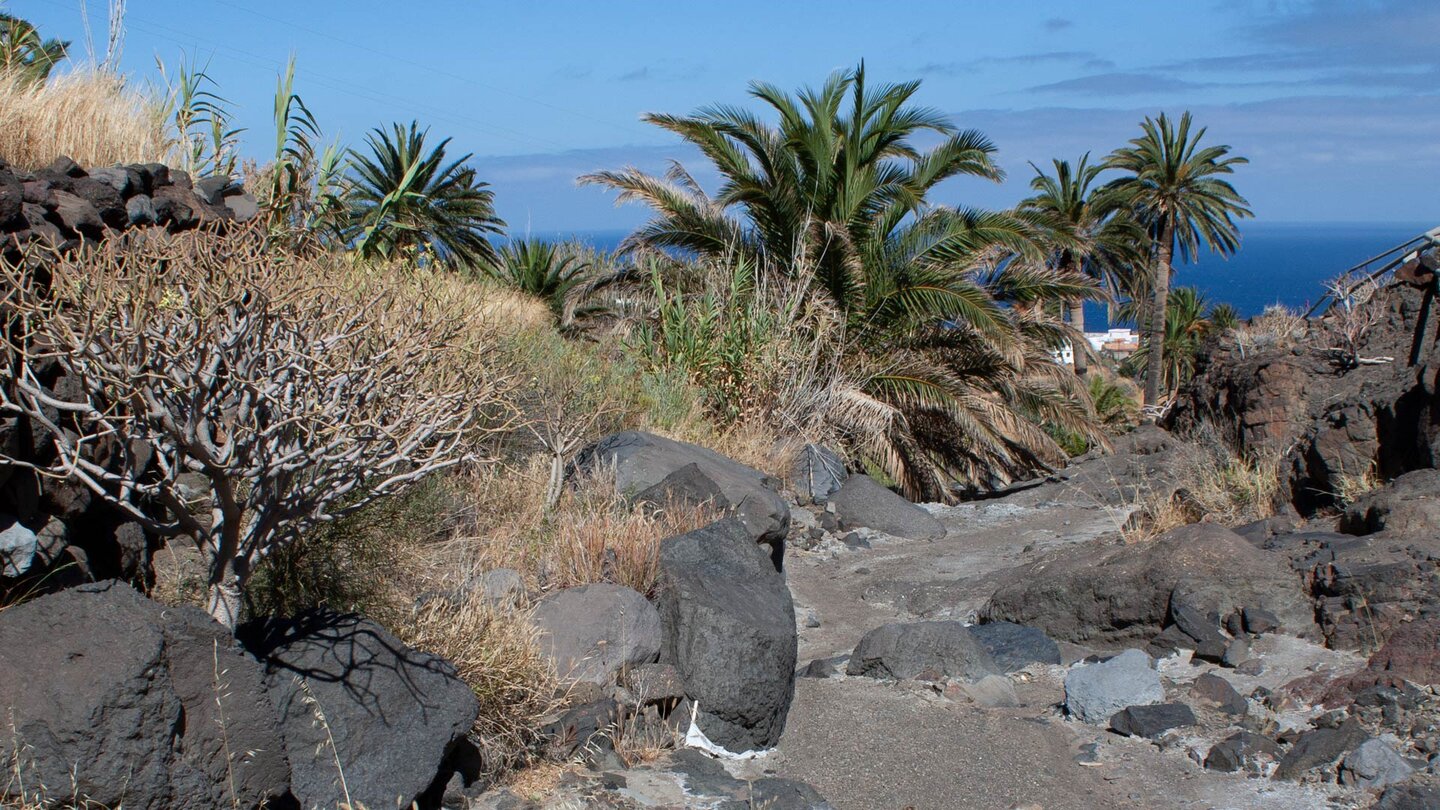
<point x="1278" y="262"/>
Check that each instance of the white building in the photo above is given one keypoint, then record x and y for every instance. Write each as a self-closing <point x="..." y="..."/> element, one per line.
<point x="1116" y="342"/>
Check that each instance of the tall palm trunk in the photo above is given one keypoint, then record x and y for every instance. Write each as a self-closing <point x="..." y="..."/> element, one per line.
<point x="1077" y="321"/>
<point x="1155" y="333"/>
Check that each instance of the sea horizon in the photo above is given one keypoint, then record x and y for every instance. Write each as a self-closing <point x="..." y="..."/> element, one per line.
<point x="1279" y="261"/>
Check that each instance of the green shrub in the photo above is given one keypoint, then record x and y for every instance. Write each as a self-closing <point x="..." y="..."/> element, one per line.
<point x="358" y="563"/>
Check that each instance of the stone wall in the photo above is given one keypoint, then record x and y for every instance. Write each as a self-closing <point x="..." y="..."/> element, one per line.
<point x="54" y="533"/>
<point x="64" y="205"/>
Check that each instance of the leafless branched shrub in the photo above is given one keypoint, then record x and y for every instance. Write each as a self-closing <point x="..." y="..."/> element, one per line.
<point x="239" y="396"/>
<point x="1353" y="313"/>
<point x="1276" y="327"/>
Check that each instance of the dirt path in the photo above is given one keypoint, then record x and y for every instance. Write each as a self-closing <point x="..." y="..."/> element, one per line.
<point x="869" y="744"/>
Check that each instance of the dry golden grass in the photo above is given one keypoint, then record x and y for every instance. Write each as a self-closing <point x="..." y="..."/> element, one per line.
<point x="494" y="651"/>
<point x="1349" y="487"/>
<point x="591" y="536"/>
<point x="93" y="117"/>
<point x="1212" y="486"/>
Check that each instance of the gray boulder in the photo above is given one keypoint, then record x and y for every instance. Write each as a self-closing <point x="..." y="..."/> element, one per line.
<point x="393" y="714"/>
<point x="1320" y="748"/>
<point x="817" y="473"/>
<point x="729" y="629"/>
<point x="502" y="587"/>
<point x="18" y="546"/>
<point x="242" y="206"/>
<point x="862" y="503"/>
<point x="1095" y="692"/>
<point x="211" y="189"/>
<point x="1245" y="751"/>
<point x="1151" y="721"/>
<point x="1015" y="646"/>
<point x="641" y="460"/>
<point x="907" y="650"/>
<point x="140" y="210"/>
<point x="1216" y="690"/>
<point x="1374" y="765"/>
<point x="114" y="699"/>
<point x="594" y="631"/>
<point x="991" y="692"/>
<point x="1409" y="797"/>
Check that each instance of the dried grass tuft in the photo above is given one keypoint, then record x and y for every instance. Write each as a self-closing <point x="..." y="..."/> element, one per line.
<point x="94" y="117"/>
<point x="494" y="651"/>
<point x="593" y="535"/>
<point x="1277" y="327"/>
<point x="1211" y="485"/>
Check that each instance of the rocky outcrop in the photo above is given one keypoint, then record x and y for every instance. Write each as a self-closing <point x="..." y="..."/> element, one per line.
<point x="653" y="468"/>
<point x="594" y="631"/>
<point x="1109" y="595"/>
<point x="1408" y="506"/>
<point x="1331" y="420"/>
<point x="729" y="629"/>
<point x="115" y="699"/>
<point x="355" y="704"/>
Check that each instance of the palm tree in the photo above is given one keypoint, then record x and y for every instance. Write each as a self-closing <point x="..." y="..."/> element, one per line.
<point x="1175" y="188"/>
<point x="405" y="199"/>
<point x="1224" y="316"/>
<point x="950" y="363"/>
<point x="542" y="269"/>
<point x="1188" y="321"/>
<point x="1115" y="400"/>
<point x="1089" y="232"/>
<point x="24" y="54"/>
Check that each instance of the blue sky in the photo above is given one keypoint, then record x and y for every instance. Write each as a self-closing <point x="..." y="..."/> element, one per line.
<point x="1333" y="101"/>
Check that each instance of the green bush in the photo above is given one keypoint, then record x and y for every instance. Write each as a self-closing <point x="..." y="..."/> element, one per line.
<point x="355" y="564"/>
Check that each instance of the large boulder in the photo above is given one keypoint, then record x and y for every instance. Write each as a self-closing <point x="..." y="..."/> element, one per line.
<point x="594" y="631"/>
<point x="1374" y="765"/>
<point x="641" y="461"/>
<point x="1411" y="652"/>
<point x="729" y="629"/>
<point x="1106" y="594"/>
<point x="1151" y="721"/>
<point x="908" y="650"/>
<point x="1095" y="692"/>
<point x="1244" y="750"/>
<point x="1367" y="587"/>
<point x="114" y="699"/>
<point x="863" y="503"/>
<point x="1320" y="748"/>
<point x="357" y="705"/>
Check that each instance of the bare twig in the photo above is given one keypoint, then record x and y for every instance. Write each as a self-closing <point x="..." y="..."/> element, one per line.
<point x="285" y="393"/>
